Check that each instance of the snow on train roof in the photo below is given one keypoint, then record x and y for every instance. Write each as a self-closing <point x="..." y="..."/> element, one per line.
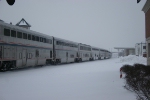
<point x="84" y="44"/>
<point x="65" y="40"/>
<point x="23" y="29"/>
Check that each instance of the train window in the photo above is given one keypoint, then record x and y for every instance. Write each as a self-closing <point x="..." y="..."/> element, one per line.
<point x="67" y="44"/>
<point x="29" y="37"/>
<point x="24" y="35"/>
<point x="6" y="32"/>
<point x="33" y="37"/>
<point x="50" y="41"/>
<point x="20" y="55"/>
<point x="64" y="44"/>
<point x="61" y="43"/>
<point x="0" y="51"/>
<point x="44" y="40"/>
<point x="13" y="33"/>
<point x="50" y="54"/>
<point x="37" y="38"/>
<point x="57" y="42"/>
<point x="47" y="40"/>
<point x="19" y="35"/>
<point x="41" y="39"/>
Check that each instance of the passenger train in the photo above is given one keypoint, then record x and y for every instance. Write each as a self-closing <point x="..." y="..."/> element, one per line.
<point x="20" y="48"/>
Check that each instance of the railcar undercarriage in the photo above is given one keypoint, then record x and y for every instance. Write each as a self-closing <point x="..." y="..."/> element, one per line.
<point x="7" y="65"/>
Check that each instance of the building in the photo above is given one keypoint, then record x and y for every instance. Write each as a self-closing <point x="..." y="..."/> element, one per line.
<point x="124" y="51"/>
<point x="140" y="49"/>
<point x="23" y="23"/>
<point x="146" y="10"/>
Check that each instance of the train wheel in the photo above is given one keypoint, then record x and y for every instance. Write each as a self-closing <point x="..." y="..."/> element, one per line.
<point x="4" y="67"/>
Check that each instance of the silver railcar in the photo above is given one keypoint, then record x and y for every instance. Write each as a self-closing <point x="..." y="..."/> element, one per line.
<point x="95" y="53"/>
<point x="66" y="51"/>
<point x="20" y="47"/>
<point x="85" y="52"/>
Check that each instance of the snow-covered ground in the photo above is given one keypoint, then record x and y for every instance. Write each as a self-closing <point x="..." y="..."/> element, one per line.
<point x="96" y="80"/>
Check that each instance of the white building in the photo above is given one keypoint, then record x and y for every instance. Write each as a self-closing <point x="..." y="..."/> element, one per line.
<point x="140" y="49"/>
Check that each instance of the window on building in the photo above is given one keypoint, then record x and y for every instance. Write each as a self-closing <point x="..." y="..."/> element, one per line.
<point x="144" y="47"/>
<point x="13" y="33"/>
<point x="29" y="37"/>
<point x="24" y="35"/>
<point x="6" y="32"/>
<point x="19" y="35"/>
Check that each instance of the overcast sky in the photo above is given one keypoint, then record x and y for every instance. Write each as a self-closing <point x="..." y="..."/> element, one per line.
<point x="100" y="23"/>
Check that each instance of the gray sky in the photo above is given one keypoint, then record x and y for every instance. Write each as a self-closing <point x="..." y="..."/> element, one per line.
<point x="101" y="23"/>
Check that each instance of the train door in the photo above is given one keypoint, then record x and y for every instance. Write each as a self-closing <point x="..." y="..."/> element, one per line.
<point x="24" y="57"/>
<point x="80" y="55"/>
<point x="77" y="55"/>
<point x="66" y="56"/>
<point x="36" y="57"/>
<point x="0" y="52"/>
<point x="50" y="54"/>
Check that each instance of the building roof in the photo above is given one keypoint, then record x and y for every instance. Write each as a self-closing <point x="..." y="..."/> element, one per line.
<point x="23" y="23"/>
<point x="123" y="48"/>
<point x="146" y="6"/>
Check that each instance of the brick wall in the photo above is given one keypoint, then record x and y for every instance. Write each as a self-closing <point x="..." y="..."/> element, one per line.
<point x="147" y="23"/>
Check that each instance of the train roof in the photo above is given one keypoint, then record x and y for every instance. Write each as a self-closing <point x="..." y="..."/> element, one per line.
<point x="84" y="44"/>
<point x="95" y="47"/>
<point x="23" y="29"/>
<point x="65" y="40"/>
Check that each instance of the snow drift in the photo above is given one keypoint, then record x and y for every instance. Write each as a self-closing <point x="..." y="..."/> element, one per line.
<point x="132" y="59"/>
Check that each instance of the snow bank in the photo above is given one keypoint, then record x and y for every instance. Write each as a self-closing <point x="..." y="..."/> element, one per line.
<point x="132" y="59"/>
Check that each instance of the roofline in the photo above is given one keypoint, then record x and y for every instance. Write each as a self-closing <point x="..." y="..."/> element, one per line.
<point x="123" y="48"/>
<point x="146" y="6"/>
